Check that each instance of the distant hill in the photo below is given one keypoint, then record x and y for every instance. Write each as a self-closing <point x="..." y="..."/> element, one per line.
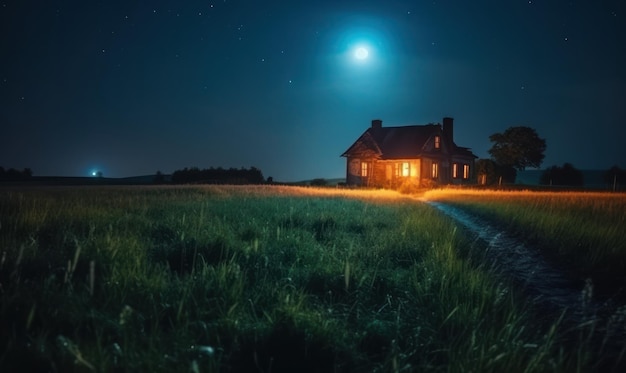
<point x="329" y="182"/>
<point x="78" y="180"/>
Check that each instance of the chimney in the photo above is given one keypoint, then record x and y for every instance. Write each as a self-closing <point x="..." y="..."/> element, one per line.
<point x="448" y="129"/>
<point x="377" y="123"/>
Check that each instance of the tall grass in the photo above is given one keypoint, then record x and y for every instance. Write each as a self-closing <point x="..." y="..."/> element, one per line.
<point x="269" y="279"/>
<point x="584" y="232"/>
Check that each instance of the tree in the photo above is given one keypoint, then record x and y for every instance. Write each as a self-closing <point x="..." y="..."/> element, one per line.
<point x="615" y="176"/>
<point x="566" y="175"/>
<point x="13" y="174"/>
<point x="218" y="176"/>
<point x="518" y="147"/>
<point x="486" y="171"/>
<point x="489" y="172"/>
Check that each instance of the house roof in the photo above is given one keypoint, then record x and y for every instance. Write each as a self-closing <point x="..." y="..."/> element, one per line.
<point x="401" y="142"/>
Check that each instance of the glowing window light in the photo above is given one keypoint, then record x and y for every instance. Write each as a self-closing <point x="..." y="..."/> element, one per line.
<point x="406" y="170"/>
<point x="364" y="169"/>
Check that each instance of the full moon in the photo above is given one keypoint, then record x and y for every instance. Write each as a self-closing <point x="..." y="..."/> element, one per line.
<point x="361" y="53"/>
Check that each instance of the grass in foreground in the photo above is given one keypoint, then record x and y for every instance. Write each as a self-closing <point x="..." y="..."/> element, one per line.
<point x="208" y="279"/>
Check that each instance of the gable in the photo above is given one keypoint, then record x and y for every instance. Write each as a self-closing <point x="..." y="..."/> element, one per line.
<point x="364" y="147"/>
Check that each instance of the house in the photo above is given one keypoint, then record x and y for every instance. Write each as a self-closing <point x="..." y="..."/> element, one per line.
<point x="420" y="155"/>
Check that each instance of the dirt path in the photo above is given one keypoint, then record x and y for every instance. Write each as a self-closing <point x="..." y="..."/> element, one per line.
<point x="546" y="284"/>
<point x="602" y="322"/>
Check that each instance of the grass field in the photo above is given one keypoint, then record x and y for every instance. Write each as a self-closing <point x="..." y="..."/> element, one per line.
<point x="264" y="279"/>
<point x="584" y="232"/>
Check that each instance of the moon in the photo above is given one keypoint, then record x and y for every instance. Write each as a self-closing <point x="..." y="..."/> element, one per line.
<point x="361" y="53"/>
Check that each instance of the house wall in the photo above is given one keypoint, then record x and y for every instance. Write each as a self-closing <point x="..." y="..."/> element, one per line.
<point x="394" y="172"/>
<point x="382" y="173"/>
<point x="461" y="162"/>
<point x="389" y="173"/>
<point x="427" y="164"/>
<point x="353" y="172"/>
<point x="446" y="170"/>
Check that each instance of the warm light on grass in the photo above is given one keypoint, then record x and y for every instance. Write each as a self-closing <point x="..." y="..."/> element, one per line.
<point x="255" y="278"/>
<point x="584" y="231"/>
<point x="273" y="190"/>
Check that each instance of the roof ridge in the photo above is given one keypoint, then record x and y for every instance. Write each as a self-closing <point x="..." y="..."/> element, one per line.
<point x="413" y="125"/>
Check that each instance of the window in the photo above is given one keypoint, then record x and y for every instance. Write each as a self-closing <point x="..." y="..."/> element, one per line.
<point x="435" y="170"/>
<point x="455" y="170"/>
<point x="402" y="169"/>
<point x="406" y="171"/>
<point x="363" y="168"/>
<point x="466" y="171"/>
<point x="437" y="142"/>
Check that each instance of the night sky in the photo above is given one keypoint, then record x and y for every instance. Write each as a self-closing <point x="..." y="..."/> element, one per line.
<point x="131" y="87"/>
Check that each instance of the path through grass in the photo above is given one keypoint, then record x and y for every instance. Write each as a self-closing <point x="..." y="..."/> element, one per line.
<point x="583" y="232"/>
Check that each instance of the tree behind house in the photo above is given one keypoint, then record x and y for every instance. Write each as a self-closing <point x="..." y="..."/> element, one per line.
<point x="494" y="173"/>
<point x="516" y="149"/>
<point x="519" y="147"/>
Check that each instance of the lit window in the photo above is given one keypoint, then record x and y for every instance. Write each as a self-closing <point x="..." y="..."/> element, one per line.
<point x="405" y="169"/>
<point x="455" y="170"/>
<point x="466" y="171"/>
<point x="435" y="170"/>
<point x="437" y="142"/>
<point x="363" y="168"/>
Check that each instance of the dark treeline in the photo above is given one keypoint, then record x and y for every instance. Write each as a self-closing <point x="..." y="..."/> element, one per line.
<point x="13" y="174"/>
<point x="566" y="175"/>
<point x="218" y="175"/>
<point x="491" y="173"/>
<point x="615" y="175"/>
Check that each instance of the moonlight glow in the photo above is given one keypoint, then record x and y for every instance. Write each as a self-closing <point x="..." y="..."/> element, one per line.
<point x="361" y="53"/>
